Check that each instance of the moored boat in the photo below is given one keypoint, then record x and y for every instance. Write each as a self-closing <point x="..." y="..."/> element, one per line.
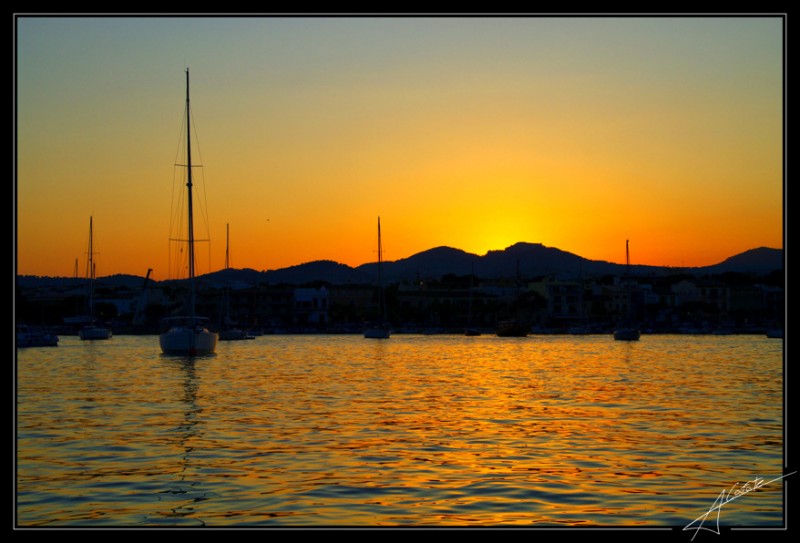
<point x="92" y="330"/>
<point x="188" y="335"/>
<point x="627" y="334"/>
<point x="512" y="328"/>
<point x="28" y="336"/>
<point x="627" y="331"/>
<point x="381" y="329"/>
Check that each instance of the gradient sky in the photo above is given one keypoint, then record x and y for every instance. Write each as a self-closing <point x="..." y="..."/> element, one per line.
<point x="470" y="132"/>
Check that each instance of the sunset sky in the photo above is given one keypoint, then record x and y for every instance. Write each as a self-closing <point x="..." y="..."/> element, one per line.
<point x="470" y="132"/>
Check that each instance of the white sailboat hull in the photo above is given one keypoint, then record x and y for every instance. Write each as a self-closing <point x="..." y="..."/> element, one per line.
<point x="187" y="340"/>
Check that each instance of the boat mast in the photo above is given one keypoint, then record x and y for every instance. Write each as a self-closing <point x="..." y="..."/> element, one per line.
<point x="90" y="272"/>
<point x="380" y="273"/>
<point x="227" y="245"/>
<point x="628" y="278"/>
<point x="189" y="190"/>
<point x="627" y="261"/>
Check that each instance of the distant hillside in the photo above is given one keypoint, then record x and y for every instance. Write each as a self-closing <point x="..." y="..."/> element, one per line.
<point x="432" y="263"/>
<point x="319" y="270"/>
<point x="119" y="280"/>
<point x="519" y="260"/>
<point x="525" y="260"/>
<point x="535" y="259"/>
<point x="759" y="261"/>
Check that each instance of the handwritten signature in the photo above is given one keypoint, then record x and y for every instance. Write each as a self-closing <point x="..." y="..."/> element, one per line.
<point x="727" y="496"/>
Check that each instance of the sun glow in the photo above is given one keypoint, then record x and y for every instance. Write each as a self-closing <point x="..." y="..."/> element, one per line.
<point x="470" y="133"/>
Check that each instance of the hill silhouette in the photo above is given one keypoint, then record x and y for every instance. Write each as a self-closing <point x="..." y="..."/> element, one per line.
<point x="523" y="260"/>
<point x="761" y="261"/>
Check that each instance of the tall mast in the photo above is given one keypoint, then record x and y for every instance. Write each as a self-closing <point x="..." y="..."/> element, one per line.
<point x="189" y="190"/>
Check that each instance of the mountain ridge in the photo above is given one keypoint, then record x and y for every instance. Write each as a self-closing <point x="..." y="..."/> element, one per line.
<point x="520" y="260"/>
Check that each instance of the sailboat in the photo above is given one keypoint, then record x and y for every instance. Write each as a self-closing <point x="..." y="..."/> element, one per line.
<point x="188" y="335"/>
<point x="628" y="331"/>
<point x="228" y="330"/>
<point x="471" y="330"/>
<point x="35" y="337"/>
<point x="91" y="330"/>
<point x="381" y="330"/>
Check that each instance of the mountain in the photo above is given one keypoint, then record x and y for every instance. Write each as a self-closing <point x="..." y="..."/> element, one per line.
<point x="232" y="278"/>
<point x="519" y="260"/>
<point x="432" y="263"/>
<point x="535" y="259"/>
<point x="759" y="261"/>
<point x="118" y="280"/>
<point x="318" y="270"/>
<point x="526" y="260"/>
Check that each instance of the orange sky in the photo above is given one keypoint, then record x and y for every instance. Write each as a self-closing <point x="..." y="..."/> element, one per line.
<point x="475" y="133"/>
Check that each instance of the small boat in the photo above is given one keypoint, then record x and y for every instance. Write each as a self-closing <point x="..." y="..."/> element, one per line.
<point x="229" y="331"/>
<point x="775" y="333"/>
<point x="188" y="335"/>
<point x="380" y="330"/>
<point x="512" y="328"/>
<point x="471" y="330"/>
<point x="627" y="334"/>
<point x="92" y="330"/>
<point x="35" y="337"/>
<point x="234" y="334"/>
<point x="627" y="331"/>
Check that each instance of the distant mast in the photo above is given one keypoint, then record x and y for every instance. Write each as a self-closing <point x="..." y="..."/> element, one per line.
<point x="628" y="332"/>
<point x="90" y="271"/>
<point x="227" y="245"/>
<point x="380" y="272"/>
<point x="627" y="261"/>
<point x="382" y="329"/>
<point x="628" y="281"/>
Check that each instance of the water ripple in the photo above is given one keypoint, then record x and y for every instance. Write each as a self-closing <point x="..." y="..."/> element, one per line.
<point x="419" y="430"/>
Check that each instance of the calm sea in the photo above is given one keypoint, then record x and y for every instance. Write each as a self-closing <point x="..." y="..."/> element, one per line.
<point x="416" y="430"/>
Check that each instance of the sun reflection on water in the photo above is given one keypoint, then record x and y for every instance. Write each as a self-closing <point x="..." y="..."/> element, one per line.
<point x="422" y="430"/>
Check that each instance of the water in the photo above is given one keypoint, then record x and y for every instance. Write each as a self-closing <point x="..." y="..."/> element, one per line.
<point x="414" y="430"/>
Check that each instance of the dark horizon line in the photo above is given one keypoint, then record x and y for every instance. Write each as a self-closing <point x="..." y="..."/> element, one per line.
<point x="374" y="263"/>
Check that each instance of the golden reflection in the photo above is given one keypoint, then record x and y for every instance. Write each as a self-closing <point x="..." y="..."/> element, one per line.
<point x="183" y="497"/>
<point x="420" y="430"/>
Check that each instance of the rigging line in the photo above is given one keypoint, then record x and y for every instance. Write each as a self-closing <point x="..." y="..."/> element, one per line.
<point x="203" y="208"/>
